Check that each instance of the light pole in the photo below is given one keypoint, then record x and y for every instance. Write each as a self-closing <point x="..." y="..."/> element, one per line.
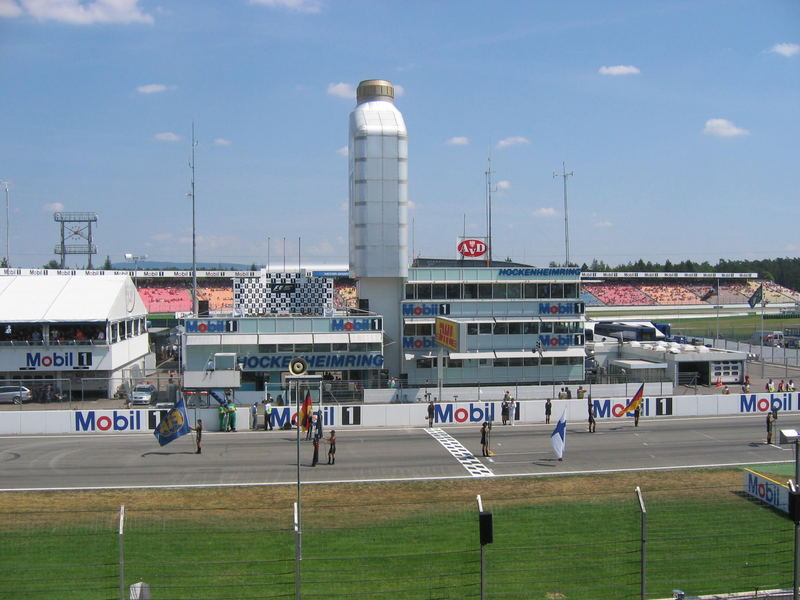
<point x="8" y="252"/>
<point x="564" y="174"/>
<point x="194" y="238"/>
<point x="135" y="258"/>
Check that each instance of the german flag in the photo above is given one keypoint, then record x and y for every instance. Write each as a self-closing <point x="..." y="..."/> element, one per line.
<point x="305" y="413"/>
<point x="635" y="401"/>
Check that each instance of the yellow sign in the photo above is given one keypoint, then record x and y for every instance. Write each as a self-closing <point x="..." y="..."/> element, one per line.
<point x="447" y="333"/>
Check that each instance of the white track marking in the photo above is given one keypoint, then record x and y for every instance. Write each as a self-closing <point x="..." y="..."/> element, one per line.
<point x="468" y="460"/>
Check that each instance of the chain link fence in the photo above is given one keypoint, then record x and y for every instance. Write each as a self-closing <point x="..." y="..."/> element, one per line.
<point x="580" y="545"/>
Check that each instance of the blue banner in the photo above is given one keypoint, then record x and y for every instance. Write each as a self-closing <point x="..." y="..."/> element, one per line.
<point x="173" y="425"/>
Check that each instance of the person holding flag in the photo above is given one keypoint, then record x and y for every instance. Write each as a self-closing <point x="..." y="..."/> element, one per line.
<point x="634" y="406"/>
<point x="174" y="424"/>
<point x="304" y="415"/>
<point x="558" y="439"/>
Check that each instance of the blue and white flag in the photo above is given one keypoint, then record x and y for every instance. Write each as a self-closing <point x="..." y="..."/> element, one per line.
<point x="559" y="437"/>
<point x="173" y="425"/>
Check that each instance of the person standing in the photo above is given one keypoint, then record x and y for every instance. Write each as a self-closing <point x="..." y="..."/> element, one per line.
<point x="512" y="410"/>
<point x="504" y="410"/>
<point x="332" y="448"/>
<point x="485" y="438"/>
<point x="223" y="418"/>
<point x="198" y="438"/>
<point x="430" y="413"/>
<point x="268" y="414"/>
<point x="254" y="415"/>
<point x="548" y="409"/>
<point x="770" y="420"/>
<point x="636" y="414"/>
<point x="592" y="422"/>
<point x="315" y="458"/>
<point x="232" y="416"/>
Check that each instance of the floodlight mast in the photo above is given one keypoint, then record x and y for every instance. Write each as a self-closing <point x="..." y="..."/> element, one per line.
<point x="564" y="174"/>
<point x="194" y="237"/>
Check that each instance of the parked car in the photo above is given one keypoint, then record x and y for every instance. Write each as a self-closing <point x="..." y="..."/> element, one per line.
<point x="144" y="393"/>
<point x="15" y="394"/>
<point x="679" y="339"/>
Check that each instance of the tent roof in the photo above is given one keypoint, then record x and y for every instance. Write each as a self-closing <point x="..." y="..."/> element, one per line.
<point x="68" y="299"/>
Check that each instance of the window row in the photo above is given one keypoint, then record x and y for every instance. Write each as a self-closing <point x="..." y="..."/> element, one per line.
<point x="502" y="328"/>
<point x="490" y="291"/>
<point x="565" y="361"/>
<point x="317" y="348"/>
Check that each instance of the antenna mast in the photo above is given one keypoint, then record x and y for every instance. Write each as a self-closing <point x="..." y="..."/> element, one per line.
<point x="194" y="236"/>
<point x="489" y="191"/>
<point x="564" y="174"/>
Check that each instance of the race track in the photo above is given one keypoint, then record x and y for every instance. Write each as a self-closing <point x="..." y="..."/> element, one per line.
<point x="269" y="458"/>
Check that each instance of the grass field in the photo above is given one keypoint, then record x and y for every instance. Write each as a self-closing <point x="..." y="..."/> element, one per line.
<point x="564" y="537"/>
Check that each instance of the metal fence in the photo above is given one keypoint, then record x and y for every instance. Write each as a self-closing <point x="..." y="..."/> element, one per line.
<point x="577" y="545"/>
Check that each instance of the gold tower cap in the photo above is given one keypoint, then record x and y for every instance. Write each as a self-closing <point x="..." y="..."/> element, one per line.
<point x="374" y="89"/>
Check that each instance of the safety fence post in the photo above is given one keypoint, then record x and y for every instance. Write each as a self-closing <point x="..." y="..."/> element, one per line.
<point x="297" y="551"/>
<point x="121" y="538"/>
<point x="643" y="545"/>
<point x="486" y="537"/>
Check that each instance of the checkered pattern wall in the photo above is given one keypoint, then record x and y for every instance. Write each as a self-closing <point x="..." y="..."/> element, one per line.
<point x="283" y="293"/>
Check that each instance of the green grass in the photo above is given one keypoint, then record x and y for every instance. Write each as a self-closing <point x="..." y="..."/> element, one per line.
<point x="576" y="546"/>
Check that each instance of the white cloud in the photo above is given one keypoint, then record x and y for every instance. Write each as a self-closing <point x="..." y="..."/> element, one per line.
<point x="603" y="224"/>
<point x="154" y="88"/>
<point x="399" y="90"/>
<point x="544" y="212"/>
<point x="77" y="12"/>
<point x="306" y="6"/>
<point x="512" y="141"/>
<point x="723" y="128"/>
<point x="9" y="8"/>
<point x="222" y="142"/>
<point x="53" y="207"/>
<point x="342" y="90"/>
<point x="785" y="49"/>
<point x="343" y="151"/>
<point x="458" y="141"/>
<point x="503" y="185"/>
<point x="167" y="136"/>
<point x="619" y="70"/>
<point x="161" y="237"/>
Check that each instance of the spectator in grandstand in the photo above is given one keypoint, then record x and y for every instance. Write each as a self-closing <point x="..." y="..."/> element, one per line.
<point x="568" y="393"/>
<point x="769" y="386"/>
<point x="430" y="413"/>
<point x="790" y="386"/>
<point x="780" y="385"/>
<point x="726" y="390"/>
<point x="548" y="409"/>
<point x="581" y="392"/>
<point x="590" y="408"/>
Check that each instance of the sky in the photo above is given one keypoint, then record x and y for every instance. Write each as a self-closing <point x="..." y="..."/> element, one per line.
<point x="677" y="119"/>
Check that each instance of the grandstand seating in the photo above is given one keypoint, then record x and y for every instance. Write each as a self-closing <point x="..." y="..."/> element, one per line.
<point x="219" y="298"/>
<point x="670" y="294"/>
<point x="590" y="299"/>
<point x="166" y="299"/>
<point x="618" y="294"/>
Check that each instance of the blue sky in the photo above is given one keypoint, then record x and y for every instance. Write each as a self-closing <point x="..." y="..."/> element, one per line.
<point x="679" y="120"/>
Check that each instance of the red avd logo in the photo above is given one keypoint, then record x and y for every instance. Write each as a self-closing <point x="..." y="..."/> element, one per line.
<point x="472" y="248"/>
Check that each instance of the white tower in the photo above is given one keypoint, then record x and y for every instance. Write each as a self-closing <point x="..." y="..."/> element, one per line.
<point x="378" y="155"/>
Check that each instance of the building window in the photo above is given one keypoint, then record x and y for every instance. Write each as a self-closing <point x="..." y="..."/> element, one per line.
<point x="472" y="329"/>
<point x="285" y="347"/>
<point x="423" y="291"/>
<point x="531" y="291"/>
<point x="454" y="364"/>
<point x="546" y="327"/>
<point x="543" y="290"/>
<point x="530" y="328"/>
<point x="438" y="291"/>
<point x="485" y="291"/>
<point x="470" y="291"/>
<point x="515" y="328"/>
<point x="501" y="328"/>
<point x="424" y="363"/>
<point x="267" y="348"/>
<point x="499" y="290"/>
<point x="514" y="290"/>
<point x="453" y="291"/>
<point x="485" y="328"/>
<point x="410" y="289"/>
<point x="571" y="290"/>
<point x="339" y="347"/>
